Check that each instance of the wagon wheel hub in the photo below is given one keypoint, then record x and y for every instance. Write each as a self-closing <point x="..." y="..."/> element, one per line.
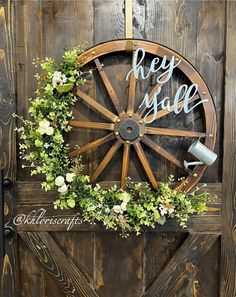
<point x="129" y="128"/>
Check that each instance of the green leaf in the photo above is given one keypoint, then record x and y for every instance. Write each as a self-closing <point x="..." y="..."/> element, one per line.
<point x="64" y="88"/>
<point x="161" y="220"/>
<point x="34" y="134"/>
<point x="71" y="203"/>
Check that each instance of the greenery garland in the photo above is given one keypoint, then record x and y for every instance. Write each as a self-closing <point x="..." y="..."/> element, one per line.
<point x="43" y="145"/>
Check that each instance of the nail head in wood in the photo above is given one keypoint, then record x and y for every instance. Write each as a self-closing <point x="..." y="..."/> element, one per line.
<point x="116" y="133"/>
<point x="204" y="93"/>
<point x="195" y="174"/>
<point x="118" y="120"/>
<point x="127" y="141"/>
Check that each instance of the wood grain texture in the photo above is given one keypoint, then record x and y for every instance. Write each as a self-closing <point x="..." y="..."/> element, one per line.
<point x="145" y="164"/>
<point x="159" y="249"/>
<point x="119" y="265"/>
<point x="195" y="29"/>
<point x="8" y="268"/>
<point x="79" y="247"/>
<point x="131" y="98"/>
<point x="186" y="30"/>
<point x="91" y="125"/>
<point x="98" y="107"/>
<point x="159" y="150"/>
<point x="181" y="265"/>
<point x="208" y="113"/>
<point x="125" y="165"/>
<point x="109" y="88"/>
<point x="108" y="20"/>
<point x="172" y="132"/>
<point x="69" y="278"/>
<point x="228" y="260"/>
<point x="31" y="274"/>
<point x="106" y="160"/>
<point x="31" y="197"/>
<point x="92" y="145"/>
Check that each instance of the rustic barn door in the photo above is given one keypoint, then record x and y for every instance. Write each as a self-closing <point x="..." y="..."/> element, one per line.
<point x="46" y="259"/>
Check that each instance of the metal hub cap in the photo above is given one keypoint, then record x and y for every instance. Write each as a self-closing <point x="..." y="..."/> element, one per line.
<point x="129" y="129"/>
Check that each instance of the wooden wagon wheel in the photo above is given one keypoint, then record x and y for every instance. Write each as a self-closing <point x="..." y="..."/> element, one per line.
<point x="127" y="127"/>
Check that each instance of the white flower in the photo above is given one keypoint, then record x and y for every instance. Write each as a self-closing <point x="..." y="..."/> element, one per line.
<point x="166" y="209"/>
<point x="69" y="177"/>
<point x="107" y="210"/>
<point x="59" y="181"/>
<point x="49" y="131"/>
<point x="58" y="78"/>
<point x="125" y="197"/>
<point x="63" y="78"/>
<point x="63" y="188"/>
<point x="123" y="206"/>
<point x="44" y="127"/>
<point x="117" y="209"/>
<point x="46" y="145"/>
<point x="44" y="124"/>
<point x="41" y="130"/>
<point x="163" y="210"/>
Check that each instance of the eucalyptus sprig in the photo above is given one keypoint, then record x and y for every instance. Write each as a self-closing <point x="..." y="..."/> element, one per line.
<point x="42" y="145"/>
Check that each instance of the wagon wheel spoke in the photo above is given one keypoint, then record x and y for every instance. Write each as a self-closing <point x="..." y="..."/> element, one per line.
<point x="143" y="108"/>
<point x="131" y="100"/>
<point x="92" y="125"/>
<point x="164" y="112"/>
<point x="158" y="149"/>
<point x="125" y="164"/>
<point x="145" y="164"/>
<point x="94" y="144"/>
<point x="95" y="105"/>
<point x="109" y="87"/>
<point x="106" y="160"/>
<point x="172" y="132"/>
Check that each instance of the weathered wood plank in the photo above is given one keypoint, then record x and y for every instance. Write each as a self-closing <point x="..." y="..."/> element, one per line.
<point x="209" y="222"/>
<point x="8" y="269"/>
<point x="181" y="265"/>
<point x="205" y="280"/>
<point x="80" y="248"/>
<point x="159" y="249"/>
<point x="31" y="274"/>
<point x="108" y="20"/>
<point x="29" y="193"/>
<point x="65" y="273"/>
<point x="51" y="25"/>
<point x="184" y="26"/>
<point x="118" y="265"/>
<point x="228" y="260"/>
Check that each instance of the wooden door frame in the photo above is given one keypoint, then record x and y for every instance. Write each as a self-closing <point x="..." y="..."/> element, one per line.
<point x="9" y="277"/>
<point x="228" y="242"/>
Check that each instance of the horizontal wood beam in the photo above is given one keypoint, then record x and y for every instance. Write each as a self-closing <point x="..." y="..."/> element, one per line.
<point x="72" y="282"/>
<point x="26" y="190"/>
<point x="210" y="222"/>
